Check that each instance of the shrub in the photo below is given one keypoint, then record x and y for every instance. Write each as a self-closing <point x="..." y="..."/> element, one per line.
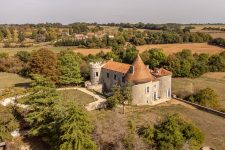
<point x="173" y="133"/>
<point x="206" y="97"/>
<point x="8" y="123"/>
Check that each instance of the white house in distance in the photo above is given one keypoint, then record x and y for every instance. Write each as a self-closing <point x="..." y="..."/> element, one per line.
<point x="149" y="87"/>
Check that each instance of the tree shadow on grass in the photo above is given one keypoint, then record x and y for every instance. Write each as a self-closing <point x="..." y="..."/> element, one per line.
<point x="23" y="85"/>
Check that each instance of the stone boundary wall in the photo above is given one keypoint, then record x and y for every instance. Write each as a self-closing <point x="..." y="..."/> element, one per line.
<point x="209" y="110"/>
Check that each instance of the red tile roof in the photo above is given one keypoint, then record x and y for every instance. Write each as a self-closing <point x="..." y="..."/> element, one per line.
<point x="116" y="66"/>
<point x="161" y="72"/>
<point x="141" y="73"/>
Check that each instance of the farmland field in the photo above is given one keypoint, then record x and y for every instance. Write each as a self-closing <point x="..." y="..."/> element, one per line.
<point x="213" y="33"/>
<point x="13" y="51"/>
<point x="167" y="48"/>
<point x="185" y="86"/>
<point x="174" y="48"/>
<point x="10" y="80"/>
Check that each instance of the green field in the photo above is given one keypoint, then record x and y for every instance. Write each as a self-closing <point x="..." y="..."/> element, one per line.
<point x="185" y="86"/>
<point x="13" y="51"/>
<point x="12" y="80"/>
<point x="111" y="126"/>
<point x="79" y="97"/>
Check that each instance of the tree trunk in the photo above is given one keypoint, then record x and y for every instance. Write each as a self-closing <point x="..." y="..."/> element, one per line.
<point x="123" y="108"/>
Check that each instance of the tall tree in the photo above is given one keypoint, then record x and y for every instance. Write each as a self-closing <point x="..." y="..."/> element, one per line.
<point x="130" y="54"/>
<point x="21" y="36"/>
<point x="41" y="116"/>
<point x="154" y="57"/>
<point x="121" y="95"/>
<point x="126" y="93"/>
<point x="44" y="62"/>
<point x="69" y="68"/>
<point x="76" y="129"/>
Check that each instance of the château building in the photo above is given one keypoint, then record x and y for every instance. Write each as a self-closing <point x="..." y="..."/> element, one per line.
<point x="149" y="87"/>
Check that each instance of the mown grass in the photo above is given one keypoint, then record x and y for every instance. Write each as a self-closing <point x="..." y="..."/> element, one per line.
<point x="81" y="98"/>
<point x="8" y="80"/>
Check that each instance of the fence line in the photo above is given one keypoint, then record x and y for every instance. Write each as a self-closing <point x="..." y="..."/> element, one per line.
<point x="207" y="109"/>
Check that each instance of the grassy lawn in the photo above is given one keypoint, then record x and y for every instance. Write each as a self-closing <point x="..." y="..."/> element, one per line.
<point x="112" y="125"/>
<point x="185" y="86"/>
<point x="79" y="97"/>
<point x="12" y="80"/>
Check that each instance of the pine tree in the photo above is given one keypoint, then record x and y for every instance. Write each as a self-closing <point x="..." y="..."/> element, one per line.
<point x="41" y="116"/>
<point x="76" y="129"/>
<point x="69" y="68"/>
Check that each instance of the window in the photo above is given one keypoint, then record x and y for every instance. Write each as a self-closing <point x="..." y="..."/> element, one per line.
<point x="114" y="76"/>
<point x="123" y="79"/>
<point x="155" y="96"/>
<point x="147" y="89"/>
<point x="96" y="74"/>
<point x="107" y="75"/>
<point x="168" y="93"/>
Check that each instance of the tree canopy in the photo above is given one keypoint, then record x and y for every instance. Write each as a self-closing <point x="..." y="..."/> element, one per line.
<point x="62" y="125"/>
<point x="173" y="133"/>
<point x="44" y="62"/>
<point x="69" y="68"/>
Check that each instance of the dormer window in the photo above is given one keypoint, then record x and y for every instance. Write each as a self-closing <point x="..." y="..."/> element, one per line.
<point x="132" y="69"/>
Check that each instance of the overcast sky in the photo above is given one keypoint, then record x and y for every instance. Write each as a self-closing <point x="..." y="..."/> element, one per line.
<point x="103" y="11"/>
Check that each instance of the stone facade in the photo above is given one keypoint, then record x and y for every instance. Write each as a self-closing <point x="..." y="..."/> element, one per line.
<point x="149" y="87"/>
<point x="95" y="72"/>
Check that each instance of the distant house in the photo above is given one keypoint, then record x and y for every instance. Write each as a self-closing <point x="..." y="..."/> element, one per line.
<point x="149" y="87"/>
<point x="80" y="36"/>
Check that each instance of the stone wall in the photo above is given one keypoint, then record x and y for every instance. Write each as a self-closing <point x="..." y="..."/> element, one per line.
<point x="109" y="81"/>
<point x="209" y="110"/>
<point x="143" y="97"/>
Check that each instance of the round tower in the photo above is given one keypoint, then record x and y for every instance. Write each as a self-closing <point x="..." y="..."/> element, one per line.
<point x="95" y="72"/>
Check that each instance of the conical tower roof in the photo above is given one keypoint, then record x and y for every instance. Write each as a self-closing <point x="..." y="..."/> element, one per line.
<point x="140" y="73"/>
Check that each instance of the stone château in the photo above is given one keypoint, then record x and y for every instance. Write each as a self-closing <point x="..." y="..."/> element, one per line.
<point x="149" y="87"/>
